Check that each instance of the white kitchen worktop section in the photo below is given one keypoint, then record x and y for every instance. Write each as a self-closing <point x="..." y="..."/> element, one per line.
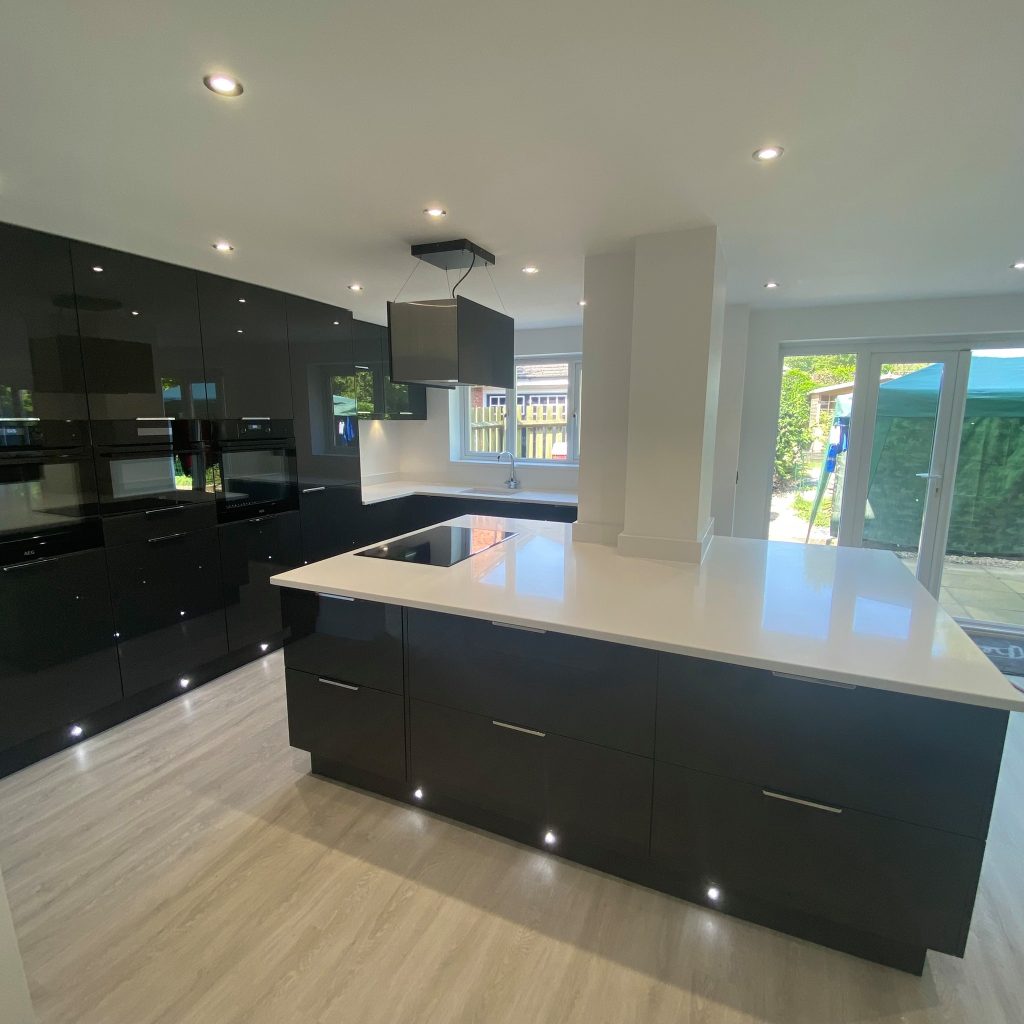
<point x="842" y="614"/>
<point x="374" y="493"/>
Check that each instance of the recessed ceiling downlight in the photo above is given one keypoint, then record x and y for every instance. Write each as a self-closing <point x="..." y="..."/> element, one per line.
<point x="1019" y="265"/>
<point x="355" y="287"/>
<point x="768" y="153"/>
<point x="436" y="212"/>
<point x="531" y="270"/>
<point x="223" y="246"/>
<point x="223" y="85"/>
<point x="770" y="285"/>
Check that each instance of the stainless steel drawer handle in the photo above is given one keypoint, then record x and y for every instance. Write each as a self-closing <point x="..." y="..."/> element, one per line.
<point x="251" y="418"/>
<point x="160" y="511"/>
<point x="28" y="565"/>
<point x="518" y="728"/>
<point x="802" y="803"/>
<point x="334" y="682"/>
<point x="312" y="490"/>
<point x="336" y="597"/>
<point x="167" y="536"/>
<point x="812" y="679"/>
<point x="515" y="625"/>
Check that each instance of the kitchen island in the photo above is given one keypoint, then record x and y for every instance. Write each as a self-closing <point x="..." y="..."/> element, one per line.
<point x="795" y="735"/>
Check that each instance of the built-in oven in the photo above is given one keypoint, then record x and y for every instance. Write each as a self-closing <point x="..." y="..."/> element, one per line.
<point x="155" y="477"/>
<point x="48" y="501"/>
<point x="256" y="468"/>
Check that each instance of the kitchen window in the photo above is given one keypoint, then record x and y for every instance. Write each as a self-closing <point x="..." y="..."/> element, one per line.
<point x="544" y="427"/>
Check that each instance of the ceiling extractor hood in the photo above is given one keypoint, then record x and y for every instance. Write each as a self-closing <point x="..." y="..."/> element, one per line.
<point x="450" y="341"/>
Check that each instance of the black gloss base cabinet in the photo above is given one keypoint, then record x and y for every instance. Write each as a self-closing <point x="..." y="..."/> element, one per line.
<point x="852" y="817"/>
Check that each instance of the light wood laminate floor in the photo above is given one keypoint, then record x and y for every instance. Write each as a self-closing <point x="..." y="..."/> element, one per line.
<point x="185" y="867"/>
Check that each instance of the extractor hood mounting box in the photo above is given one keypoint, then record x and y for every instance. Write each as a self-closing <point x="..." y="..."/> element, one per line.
<point x="455" y="255"/>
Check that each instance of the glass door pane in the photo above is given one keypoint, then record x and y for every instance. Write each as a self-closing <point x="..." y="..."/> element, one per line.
<point x="811" y="450"/>
<point x="901" y="484"/>
<point x="983" y="557"/>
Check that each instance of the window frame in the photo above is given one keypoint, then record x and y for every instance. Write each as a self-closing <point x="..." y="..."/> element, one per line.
<point x="575" y="364"/>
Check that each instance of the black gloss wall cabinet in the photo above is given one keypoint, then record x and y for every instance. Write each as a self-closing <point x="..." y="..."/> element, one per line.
<point x="330" y="394"/>
<point x="141" y="344"/>
<point x="245" y="350"/>
<point x="40" y="354"/>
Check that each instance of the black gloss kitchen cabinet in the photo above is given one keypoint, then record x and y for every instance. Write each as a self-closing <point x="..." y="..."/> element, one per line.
<point x="330" y="395"/>
<point x="400" y="401"/>
<point x="141" y="344"/>
<point x="808" y="806"/>
<point x="58" y="662"/>
<point x="245" y="350"/>
<point x="252" y="551"/>
<point x="168" y="606"/>
<point x="40" y="354"/>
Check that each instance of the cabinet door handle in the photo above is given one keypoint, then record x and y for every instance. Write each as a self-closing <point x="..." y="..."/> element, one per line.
<point x="334" y="682"/>
<point x="161" y="511"/>
<point x="312" y="490"/>
<point x="167" y="536"/>
<point x="27" y="565"/>
<point x="258" y="519"/>
<point x="515" y="625"/>
<point x="518" y="728"/>
<point x="819" y="682"/>
<point x="250" y="418"/>
<point x="336" y="597"/>
<point x="803" y="803"/>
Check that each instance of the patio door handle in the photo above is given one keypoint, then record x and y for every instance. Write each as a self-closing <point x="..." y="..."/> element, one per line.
<point x="928" y="476"/>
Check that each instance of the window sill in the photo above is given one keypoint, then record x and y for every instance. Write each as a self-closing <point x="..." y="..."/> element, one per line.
<point x="547" y="464"/>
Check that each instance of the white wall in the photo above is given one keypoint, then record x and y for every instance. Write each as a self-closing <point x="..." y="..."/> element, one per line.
<point x="421" y="449"/>
<point x="15" y="1005"/>
<point x="973" y="318"/>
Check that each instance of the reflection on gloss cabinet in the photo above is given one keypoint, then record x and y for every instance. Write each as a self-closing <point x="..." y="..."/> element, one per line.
<point x="58" y="662"/>
<point x="141" y="344"/>
<point x="251" y="552"/>
<point x="40" y="355"/>
<point x="245" y="349"/>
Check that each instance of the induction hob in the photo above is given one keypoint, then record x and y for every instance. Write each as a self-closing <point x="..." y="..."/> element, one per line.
<point x="440" y="545"/>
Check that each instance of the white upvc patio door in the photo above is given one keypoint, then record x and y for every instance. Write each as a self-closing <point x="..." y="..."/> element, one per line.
<point x="915" y="483"/>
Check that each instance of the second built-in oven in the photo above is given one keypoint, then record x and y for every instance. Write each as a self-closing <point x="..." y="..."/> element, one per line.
<point x="256" y="469"/>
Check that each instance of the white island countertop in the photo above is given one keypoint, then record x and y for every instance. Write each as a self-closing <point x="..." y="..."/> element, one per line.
<point x="841" y="614"/>
<point x="388" y="491"/>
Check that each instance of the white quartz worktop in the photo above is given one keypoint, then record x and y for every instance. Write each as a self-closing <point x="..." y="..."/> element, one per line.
<point x="374" y="493"/>
<point x="843" y="614"/>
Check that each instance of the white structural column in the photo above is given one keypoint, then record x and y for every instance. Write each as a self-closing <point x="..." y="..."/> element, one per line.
<point x="730" y="414"/>
<point x="604" y="420"/>
<point x="652" y="354"/>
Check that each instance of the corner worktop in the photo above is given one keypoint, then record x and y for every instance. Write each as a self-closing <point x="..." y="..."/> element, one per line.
<point x="374" y="493"/>
<point x="847" y="615"/>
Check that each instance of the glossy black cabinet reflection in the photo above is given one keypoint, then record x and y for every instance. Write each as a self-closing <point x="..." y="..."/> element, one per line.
<point x="58" y="661"/>
<point x="331" y="518"/>
<point x="400" y="401"/>
<point x="251" y="552"/>
<point x="168" y="606"/>
<point x="245" y="350"/>
<point x="40" y="356"/>
<point x="141" y="344"/>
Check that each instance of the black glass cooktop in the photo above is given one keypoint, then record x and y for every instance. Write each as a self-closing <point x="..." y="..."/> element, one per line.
<point x="440" y="545"/>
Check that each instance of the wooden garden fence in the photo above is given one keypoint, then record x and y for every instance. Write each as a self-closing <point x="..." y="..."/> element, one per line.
<point x="540" y="427"/>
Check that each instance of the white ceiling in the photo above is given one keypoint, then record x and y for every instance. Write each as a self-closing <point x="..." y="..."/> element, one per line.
<point x="548" y="129"/>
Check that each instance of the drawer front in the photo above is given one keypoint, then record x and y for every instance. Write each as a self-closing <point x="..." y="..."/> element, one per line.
<point x="136" y="526"/>
<point x="585" y="689"/>
<point x="355" y="641"/>
<point x="584" y="793"/>
<point x="885" y="877"/>
<point x="927" y="761"/>
<point x="353" y="725"/>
